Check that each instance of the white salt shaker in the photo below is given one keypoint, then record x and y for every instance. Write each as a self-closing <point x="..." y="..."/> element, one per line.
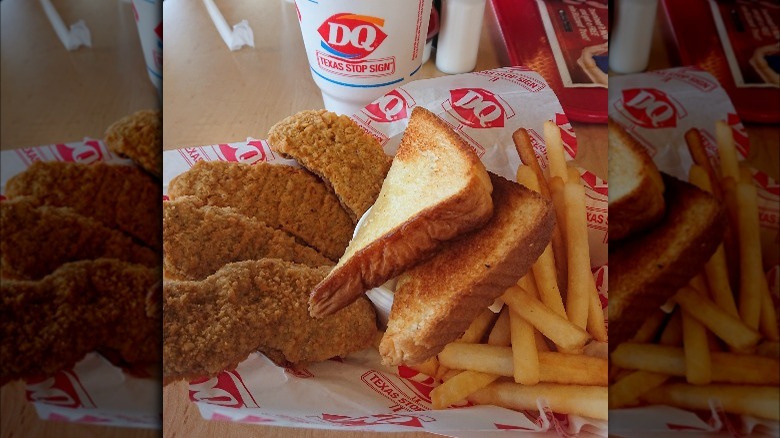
<point x="632" y="35"/>
<point x="461" y="26"/>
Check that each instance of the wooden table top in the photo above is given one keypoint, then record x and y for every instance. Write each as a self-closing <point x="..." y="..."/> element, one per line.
<point x="50" y="95"/>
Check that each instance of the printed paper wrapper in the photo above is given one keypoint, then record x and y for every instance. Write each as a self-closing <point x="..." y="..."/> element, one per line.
<point x="657" y="108"/>
<point x="358" y="393"/>
<point x="93" y="391"/>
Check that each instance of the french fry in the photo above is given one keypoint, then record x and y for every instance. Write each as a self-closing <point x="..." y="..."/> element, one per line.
<point x="524" y="354"/>
<point x="458" y="387"/>
<point x="528" y="283"/>
<point x="758" y="401"/>
<point x="580" y="280"/>
<point x="544" y="267"/>
<point x="541" y="342"/>
<point x="553" y="367"/>
<point x="448" y="374"/>
<point x="595" y="324"/>
<point x="525" y="150"/>
<point x="555" y="154"/>
<point x="768" y="318"/>
<point x="442" y="371"/>
<point x="556" y="328"/>
<point x="696" y="348"/>
<point x="750" y="295"/>
<point x="726" y="367"/>
<point x="729" y="165"/>
<point x="672" y="334"/>
<point x="627" y="389"/>
<point x="745" y="176"/>
<point x="769" y="349"/>
<point x="500" y="334"/>
<point x="649" y="328"/>
<point x="696" y="148"/>
<point x="574" y="174"/>
<point x="559" y="247"/>
<point x="429" y="367"/>
<point x="730" y="329"/>
<point x="478" y="327"/>
<point x="587" y="401"/>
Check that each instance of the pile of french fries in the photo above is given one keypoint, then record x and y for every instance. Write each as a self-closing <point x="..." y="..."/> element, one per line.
<point x="532" y="349"/>
<point x="721" y="340"/>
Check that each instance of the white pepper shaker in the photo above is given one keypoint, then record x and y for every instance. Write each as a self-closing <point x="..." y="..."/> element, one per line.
<point x="461" y="26"/>
<point x="632" y="35"/>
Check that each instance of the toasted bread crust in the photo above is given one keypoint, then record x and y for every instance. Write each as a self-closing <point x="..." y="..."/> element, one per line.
<point x="436" y="301"/>
<point x="349" y="160"/>
<point x="369" y="262"/>
<point x="642" y="206"/>
<point x="649" y="268"/>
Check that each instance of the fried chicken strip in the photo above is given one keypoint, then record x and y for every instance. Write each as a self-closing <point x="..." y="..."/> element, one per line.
<point x="284" y="197"/>
<point x="199" y="239"/>
<point x="36" y="240"/>
<point x="213" y="324"/>
<point x="50" y="324"/>
<point x="121" y="197"/>
<point x="139" y="137"/>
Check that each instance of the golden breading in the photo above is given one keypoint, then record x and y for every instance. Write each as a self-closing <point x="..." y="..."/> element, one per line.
<point x="139" y="137"/>
<point x="199" y="239"/>
<point x="284" y="197"/>
<point x="36" y="240"/>
<point x="121" y="197"/>
<point x="262" y="305"/>
<point x="49" y="324"/>
<point x="334" y="147"/>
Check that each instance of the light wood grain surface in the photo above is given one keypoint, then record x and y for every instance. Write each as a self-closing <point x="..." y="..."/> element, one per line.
<point x="51" y="95"/>
<point x="212" y="95"/>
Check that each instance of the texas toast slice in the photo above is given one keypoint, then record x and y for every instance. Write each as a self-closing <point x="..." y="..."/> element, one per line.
<point x="647" y="269"/>
<point x="435" y="301"/>
<point x="436" y="189"/>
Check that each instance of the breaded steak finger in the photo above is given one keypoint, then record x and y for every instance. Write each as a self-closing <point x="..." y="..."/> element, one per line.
<point x="337" y="149"/>
<point x="121" y="197"/>
<point x="139" y="137"/>
<point x="36" y="240"/>
<point x="199" y="239"/>
<point x="51" y="323"/>
<point x="213" y="324"/>
<point x="284" y="197"/>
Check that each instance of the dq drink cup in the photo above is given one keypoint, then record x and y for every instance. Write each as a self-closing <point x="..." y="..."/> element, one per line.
<point x="148" y="19"/>
<point x="358" y="51"/>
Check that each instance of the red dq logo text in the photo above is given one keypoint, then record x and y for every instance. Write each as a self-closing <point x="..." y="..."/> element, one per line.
<point x="84" y="153"/>
<point x="249" y="153"/>
<point x="391" y="107"/>
<point x="227" y="389"/>
<point x="478" y="108"/>
<point x="650" y="108"/>
<point x="351" y="36"/>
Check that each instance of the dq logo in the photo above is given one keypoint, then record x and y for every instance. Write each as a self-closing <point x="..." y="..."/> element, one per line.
<point x="352" y="36"/>
<point x="650" y="108"/>
<point x="391" y="107"/>
<point x="227" y="389"/>
<point x="85" y="153"/>
<point x="478" y="108"/>
<point x="64" y="389"/>
<point x="250" y="153"/>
